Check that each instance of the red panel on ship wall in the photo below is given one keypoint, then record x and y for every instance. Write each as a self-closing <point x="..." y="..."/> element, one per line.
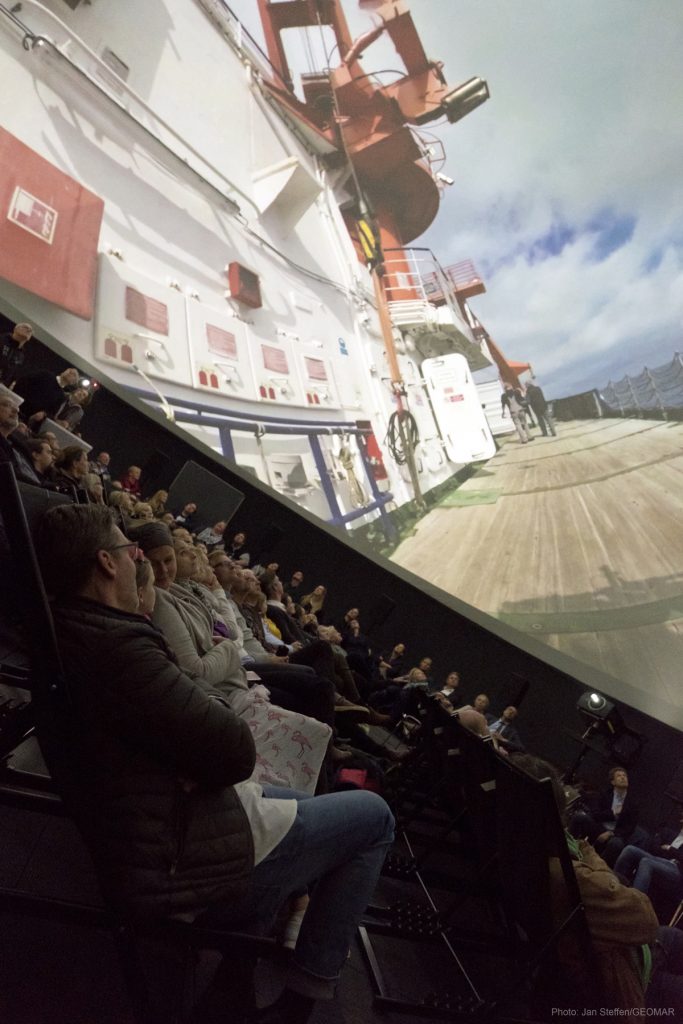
<point x="244" y="285"/>
<point x="315" y="368"/>
<point x="146" y="311"/>
<point x="221" y="343"/>
<point x="49" y="229"/>
<point x="274" y="359"/>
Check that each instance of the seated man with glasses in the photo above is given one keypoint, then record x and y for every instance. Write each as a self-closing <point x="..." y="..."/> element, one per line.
<point x="157" y="776"/>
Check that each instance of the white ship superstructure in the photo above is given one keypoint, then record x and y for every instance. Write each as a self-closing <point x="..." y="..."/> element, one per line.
<point x="175" y="219"/>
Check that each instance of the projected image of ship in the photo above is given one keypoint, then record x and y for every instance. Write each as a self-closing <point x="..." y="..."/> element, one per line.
<point x="575" y="539"/>
<point x="243" y="264"/>
<point x="195" y="221"/>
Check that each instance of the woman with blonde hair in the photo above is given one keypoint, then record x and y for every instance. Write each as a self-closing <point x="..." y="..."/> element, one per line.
<point x="95" y="488"/>
<point x="158" y="503"/>
<point x="314" y="601"/>
<point x="144" y="581"/>
<point x="290" y="747"/>
<point x="142" y="510"/>
<point x="121" y="500"/>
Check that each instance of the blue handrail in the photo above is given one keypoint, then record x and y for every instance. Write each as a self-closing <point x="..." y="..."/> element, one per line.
<point x="246" y="420"/>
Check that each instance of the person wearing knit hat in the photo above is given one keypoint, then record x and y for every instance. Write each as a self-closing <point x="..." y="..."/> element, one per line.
<point x="152" y="535"/>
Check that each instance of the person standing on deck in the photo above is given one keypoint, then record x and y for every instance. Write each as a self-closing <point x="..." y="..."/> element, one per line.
<point x="537" y="401"/>
<point x="512" y="400"/>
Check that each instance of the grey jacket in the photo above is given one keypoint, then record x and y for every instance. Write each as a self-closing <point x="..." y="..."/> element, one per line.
<point x="149" y="768"/>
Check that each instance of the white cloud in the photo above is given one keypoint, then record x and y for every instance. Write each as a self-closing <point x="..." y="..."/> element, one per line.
<point x="584" y="118"/>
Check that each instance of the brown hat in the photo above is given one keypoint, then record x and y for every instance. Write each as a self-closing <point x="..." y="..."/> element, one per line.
<point x="151" y="535"/>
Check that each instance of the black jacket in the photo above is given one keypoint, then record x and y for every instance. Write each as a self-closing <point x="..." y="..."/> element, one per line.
<point x="508" y="395"/>
<point x="12" y="357"/>
<point x="536" y="399"/>
<point x="627" y="820"/>
<point x="666" y="837"/>
<point x="12" y="450"/>
<point x="142" y="730"/>
<point x="510" y="734"/>
<point x="41" y="393"/>
<point x="289" y="629"/>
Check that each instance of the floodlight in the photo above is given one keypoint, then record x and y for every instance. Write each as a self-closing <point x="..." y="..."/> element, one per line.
<point x="464" y="99"/>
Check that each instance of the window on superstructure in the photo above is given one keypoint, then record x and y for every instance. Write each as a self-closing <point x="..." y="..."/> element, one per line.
<point x="146" y="311"/>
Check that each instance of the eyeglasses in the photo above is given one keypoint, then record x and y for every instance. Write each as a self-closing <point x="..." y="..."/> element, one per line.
<point x="136" y="553"/>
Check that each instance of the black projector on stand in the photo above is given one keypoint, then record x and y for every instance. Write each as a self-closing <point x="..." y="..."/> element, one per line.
<point x="622" y="744"/>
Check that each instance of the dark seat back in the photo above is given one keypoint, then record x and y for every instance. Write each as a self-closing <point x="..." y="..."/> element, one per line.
<point x="21" y="508"/>
<point x="532" y="844"/>
<point x="477" y="768"/>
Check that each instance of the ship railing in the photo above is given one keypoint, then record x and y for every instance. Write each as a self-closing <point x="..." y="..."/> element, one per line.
<point x="463" y="277"/>
<point x="416" y="286"/>
<point x="199" y="414"/>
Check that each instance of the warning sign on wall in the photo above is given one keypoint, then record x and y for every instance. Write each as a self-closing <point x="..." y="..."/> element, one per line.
<point x="49" y="229"/>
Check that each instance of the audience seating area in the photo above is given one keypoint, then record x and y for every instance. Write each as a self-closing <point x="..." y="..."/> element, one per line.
<point x="478" y="914"/>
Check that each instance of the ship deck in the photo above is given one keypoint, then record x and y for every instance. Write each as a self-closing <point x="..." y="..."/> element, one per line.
<point x="575" y="540"/>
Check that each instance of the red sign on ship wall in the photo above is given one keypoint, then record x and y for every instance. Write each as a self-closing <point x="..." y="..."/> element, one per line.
<point x="146" y="311"/>
<point x="315" y="368"/>
<point x="274" y="359"/>
<point x="221" y="342"/>
<point x="49" y="229"/>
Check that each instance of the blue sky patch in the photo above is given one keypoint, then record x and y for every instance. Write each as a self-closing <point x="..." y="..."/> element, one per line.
<point x="611" y="231"/>
<point x="654" y="258"/>
<point x="551" y="243"/>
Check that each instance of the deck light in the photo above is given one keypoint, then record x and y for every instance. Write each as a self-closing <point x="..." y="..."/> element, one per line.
<point x="465" y="98"/>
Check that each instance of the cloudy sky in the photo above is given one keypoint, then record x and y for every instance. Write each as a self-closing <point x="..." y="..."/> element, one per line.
<point x="568" y="191"/>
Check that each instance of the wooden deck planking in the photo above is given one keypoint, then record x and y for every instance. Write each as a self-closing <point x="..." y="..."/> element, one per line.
<point x="590" y="521"/>
<point x="648" y="657"/>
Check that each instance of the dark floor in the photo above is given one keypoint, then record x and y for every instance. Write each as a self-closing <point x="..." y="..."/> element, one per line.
<point x="57" y="974"/>
<point x="54" y="973"/>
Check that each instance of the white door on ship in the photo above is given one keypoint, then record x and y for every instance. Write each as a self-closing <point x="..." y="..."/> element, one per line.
<point x="457" y="408"/>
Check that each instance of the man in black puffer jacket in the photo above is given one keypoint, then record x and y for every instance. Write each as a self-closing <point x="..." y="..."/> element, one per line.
<point x="160" y="843"/>
<point x="155" y="769"/>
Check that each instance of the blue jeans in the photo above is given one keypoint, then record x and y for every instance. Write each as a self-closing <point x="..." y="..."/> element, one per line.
<point x="647" y="868"/>
<point x="338" y="841"/>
